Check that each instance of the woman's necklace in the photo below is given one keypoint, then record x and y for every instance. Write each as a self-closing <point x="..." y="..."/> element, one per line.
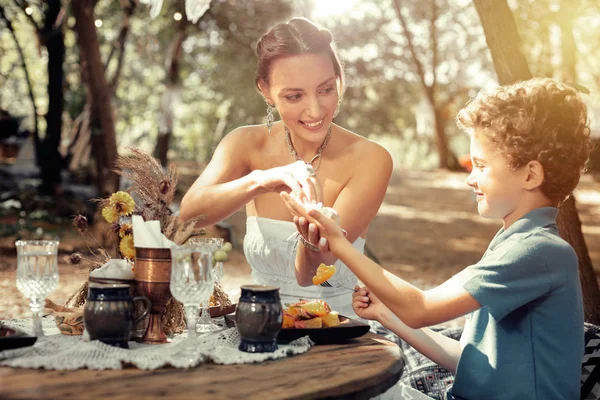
<point x="292" y="150"/>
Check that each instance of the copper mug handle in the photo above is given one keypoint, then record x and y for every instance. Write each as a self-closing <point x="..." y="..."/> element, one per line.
<point x="148" y="304"/>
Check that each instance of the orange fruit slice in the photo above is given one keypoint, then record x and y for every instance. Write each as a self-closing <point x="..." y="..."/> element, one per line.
<point x="324" y="272"/>
<point x="332" y="319"/>
<point x="316" y="308"/>
<point x="288" y="321"/>
<point x="309" y="323"/>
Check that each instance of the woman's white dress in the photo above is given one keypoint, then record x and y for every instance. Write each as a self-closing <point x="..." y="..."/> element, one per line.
<point x="270" y="248"/>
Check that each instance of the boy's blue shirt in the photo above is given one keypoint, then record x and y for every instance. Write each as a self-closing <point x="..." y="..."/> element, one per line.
<point x="526" y="342"/>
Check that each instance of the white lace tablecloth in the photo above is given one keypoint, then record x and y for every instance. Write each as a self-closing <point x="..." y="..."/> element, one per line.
<point x="62" y="352"/>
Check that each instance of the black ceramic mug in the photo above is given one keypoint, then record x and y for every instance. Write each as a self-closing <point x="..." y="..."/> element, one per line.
<point x="108" y="313"/>
<point x="258" y="318"/>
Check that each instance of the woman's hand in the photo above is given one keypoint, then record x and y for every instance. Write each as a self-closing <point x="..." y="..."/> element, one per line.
<point x="312" y="224"/>
<point x="327" y="228"/>
<point x="285" y="178"/>
<point x="366" y="305"/>
<point x="310" y="232"/>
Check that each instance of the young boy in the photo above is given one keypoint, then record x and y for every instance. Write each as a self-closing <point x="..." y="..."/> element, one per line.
<point x="524" y="336"/>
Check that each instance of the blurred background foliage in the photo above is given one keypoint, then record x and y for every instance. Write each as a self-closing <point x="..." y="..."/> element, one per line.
<point x="410" y="66"/>
<point x="83" y="80"/>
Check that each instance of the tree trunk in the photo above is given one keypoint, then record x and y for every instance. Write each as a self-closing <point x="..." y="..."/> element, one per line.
<point x="128" y="10"/>
<point x="567" y="42"/>
<point x="169" y="98"/>
<point x="51" y="164"/>
<point x="447" y="160"/>
<point x="569" y="226"/>
<point x="36" y="136"/>
<point x="104" y="141"/>
<point x="511" y="66"/>
<point x="503" y="40"/>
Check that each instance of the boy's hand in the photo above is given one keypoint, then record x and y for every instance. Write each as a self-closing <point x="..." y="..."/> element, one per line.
<point x="328" y="228"/>
<point x="366" y="305"/>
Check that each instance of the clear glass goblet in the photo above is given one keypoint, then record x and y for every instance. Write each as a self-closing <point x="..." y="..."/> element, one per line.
<point x="205" y="323"/>
<point x="37" y="275"/>
<point x="191" y="281"/>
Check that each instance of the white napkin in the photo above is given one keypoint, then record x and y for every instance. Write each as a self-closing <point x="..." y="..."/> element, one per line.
<point x="147" y="234"/>
<point x="113" y="269"/>
<point x="326" y="211"/>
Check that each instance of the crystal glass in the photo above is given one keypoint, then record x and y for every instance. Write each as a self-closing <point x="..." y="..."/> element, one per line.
<point x="205" y="323"/>
<point x="191" y="281"/>
<point x="37" y="275"/>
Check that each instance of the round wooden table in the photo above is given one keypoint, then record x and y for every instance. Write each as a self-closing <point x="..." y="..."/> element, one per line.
<point x="360" y="368"/>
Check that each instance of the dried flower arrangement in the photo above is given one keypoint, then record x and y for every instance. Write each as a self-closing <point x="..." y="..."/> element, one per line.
<point x="154" y="189"/>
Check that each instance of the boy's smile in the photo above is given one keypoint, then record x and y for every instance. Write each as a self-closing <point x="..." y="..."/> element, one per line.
<point x="498" y="188"/>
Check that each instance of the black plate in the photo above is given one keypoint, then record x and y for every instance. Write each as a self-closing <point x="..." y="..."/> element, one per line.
<point x="349" y="329"/>
<point x="12" y="339"/>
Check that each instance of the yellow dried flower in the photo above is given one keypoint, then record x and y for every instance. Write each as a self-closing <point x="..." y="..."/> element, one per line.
<point x="123" y="203"/>
<point x="110" y="214"/>
<point x="125" y="229"/>
<point x="126" y="247"/>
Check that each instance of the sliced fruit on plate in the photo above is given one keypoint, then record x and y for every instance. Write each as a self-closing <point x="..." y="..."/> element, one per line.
<point x="297" y="312"/>
<point x="316" y="308"/>
<point x="309" y="323"/>
<point x="331" y="319"/>
<point x="324" y="272"/>
<point x="288" y="320"/>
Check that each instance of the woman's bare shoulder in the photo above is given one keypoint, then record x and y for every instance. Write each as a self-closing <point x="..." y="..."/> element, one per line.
<point x="366" y="150"/>
<point x="246" y="137"/>
<point x="247" y="133"/>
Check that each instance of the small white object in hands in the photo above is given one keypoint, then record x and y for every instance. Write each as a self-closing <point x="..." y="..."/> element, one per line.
<point x="326" y="211"/>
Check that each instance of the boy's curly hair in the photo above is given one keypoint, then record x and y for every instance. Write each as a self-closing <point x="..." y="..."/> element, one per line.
<point x="538" y="119"/>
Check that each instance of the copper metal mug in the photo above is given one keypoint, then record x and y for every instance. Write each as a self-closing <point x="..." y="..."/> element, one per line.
<point x="152" y="275"/>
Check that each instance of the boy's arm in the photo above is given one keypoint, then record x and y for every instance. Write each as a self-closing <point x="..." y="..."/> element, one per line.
<point x="440" y="349"/>
<point x="364" y="191"/>
<point x="416" y="308"/>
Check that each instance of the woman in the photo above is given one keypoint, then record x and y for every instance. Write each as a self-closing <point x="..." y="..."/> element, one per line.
<point x="299" y="74"/>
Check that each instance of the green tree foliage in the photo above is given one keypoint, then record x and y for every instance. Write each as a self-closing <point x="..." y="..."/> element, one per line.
<point x="385" y="94"/>
<point x="217" y="72"/>
<point x="384" y="97"/>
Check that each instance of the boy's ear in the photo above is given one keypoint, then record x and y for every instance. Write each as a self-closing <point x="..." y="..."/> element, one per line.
<point x="534" y="175"/>
<point x="264" y="90"/>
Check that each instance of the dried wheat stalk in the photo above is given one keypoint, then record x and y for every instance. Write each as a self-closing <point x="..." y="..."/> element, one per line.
<point x="155" y="189"/>
<point x="220" y="296"/>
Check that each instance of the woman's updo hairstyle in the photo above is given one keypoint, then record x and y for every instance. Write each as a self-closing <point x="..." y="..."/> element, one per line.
<point x="298" y="36"/>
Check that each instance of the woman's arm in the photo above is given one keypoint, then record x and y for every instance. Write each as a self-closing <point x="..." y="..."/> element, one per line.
<point x="226" y="184"/>
<point x="357" y="204"/>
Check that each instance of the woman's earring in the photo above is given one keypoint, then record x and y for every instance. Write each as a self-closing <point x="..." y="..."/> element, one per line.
<point x="270" y="116"/>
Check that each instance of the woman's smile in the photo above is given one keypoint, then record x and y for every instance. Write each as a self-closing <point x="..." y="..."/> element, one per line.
<point x="313" y="125"/>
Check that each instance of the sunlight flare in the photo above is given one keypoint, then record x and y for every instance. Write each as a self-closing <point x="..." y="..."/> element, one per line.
<point x="326" y="8"/>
